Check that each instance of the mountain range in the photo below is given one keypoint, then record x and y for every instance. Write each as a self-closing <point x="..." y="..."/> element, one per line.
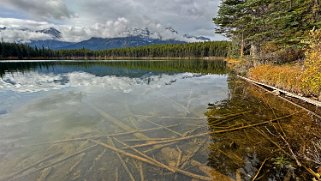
<point x="132" y="38"/>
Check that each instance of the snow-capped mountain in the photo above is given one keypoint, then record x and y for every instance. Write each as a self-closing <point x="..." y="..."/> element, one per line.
<point x="199" y="38"/>
<point x="51" y="31"/>
<point x="129" y="38"/>
<point x="171" y="30"/>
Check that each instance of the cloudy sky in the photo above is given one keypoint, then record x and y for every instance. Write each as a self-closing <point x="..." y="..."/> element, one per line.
<point x="82" y="19"/>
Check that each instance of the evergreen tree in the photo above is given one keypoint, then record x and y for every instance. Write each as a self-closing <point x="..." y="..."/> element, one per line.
<point x="263" y="23"/>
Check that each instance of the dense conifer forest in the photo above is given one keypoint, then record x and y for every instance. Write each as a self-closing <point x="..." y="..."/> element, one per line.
<point x="268" y="30"/>
<point x="202" y="49"/>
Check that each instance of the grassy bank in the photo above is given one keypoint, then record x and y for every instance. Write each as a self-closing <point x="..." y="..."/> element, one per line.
<point x="301" y="77"/>
<point x="287" y="77"/>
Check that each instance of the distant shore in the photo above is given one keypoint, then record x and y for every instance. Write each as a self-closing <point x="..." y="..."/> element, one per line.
<point x="115" y="58"/>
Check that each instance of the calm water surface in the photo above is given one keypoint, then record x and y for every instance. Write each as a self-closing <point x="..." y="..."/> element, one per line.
<point x="81" y="120"/>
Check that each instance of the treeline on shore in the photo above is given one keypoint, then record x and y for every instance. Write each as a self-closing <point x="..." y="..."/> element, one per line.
<point x="199" y="49"/>
<point x="268" y="30"/>
<point x="277" y="41"/>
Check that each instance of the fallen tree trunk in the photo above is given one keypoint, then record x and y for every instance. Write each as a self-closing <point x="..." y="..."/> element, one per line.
<point x="289" y="94"/>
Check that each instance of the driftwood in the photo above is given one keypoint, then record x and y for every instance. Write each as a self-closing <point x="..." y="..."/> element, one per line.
<point x="144" y="140"/>
<point x="195" y="163"/>
<point x="158" y="147"/>
<point x="179" y="159"/>
<point x="75" y="165"/>
<point x="193" y="130"/>
<point x="132" y="178"/>
<point x="259" y="170"/>
<point x="273" y="142"/>
<point x="289" y="94"/>
<point x="310" y="101"/>
<point x="189" y="157"/>
<point x="103" y="136"/>
<point x="44" y="174"/>
<point x="170" y="130"/>
<point x="141" y="171"/>
<point x="146" y="156"/>
<point x="229" y="115"/>
<point x="172" y="154"/>
<point x="189" y="174"/>
<point x="213" y="132"/>
<point x="52" y="164"/>
<point x="117" y="122"/>
<point x="116" y="174"/>
<point x="171" y="117"/>
<point x="11" y="176"/>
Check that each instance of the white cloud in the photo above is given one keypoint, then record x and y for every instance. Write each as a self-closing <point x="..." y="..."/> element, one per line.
<point x="52" y="9"/>
<point x="18" y="30"/>
<point x="185" y="15"/>
<point x="83" y="19"/>
<point x="14" y="35"/>
<point x="22" y="23"/>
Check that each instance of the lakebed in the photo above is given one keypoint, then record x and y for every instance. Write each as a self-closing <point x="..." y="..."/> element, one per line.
<point x="148" y="120"/>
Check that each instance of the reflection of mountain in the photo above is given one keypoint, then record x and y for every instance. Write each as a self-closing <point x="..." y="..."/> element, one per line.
<point x="35" y="81"/>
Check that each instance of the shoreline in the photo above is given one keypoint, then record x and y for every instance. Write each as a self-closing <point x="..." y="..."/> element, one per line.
<point x="308" y="102"/>
<point x="300" y="101"/>
<point x="112" y="58"/>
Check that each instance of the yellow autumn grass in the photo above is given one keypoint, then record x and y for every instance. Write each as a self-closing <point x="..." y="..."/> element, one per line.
<point x="287" y="77"/>
<point x="304" y="79"/>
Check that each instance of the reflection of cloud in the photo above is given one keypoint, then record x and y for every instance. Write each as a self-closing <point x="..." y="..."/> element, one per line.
<point x="35" y="82"/>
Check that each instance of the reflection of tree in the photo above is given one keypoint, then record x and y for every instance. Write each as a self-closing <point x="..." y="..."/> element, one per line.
<point x="118" y="67"/>
<point x="243" y="151"/>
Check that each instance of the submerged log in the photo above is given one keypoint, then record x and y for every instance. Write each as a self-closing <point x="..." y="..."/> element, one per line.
<point x="186" y="173"/>
<point x="214" y="132"/>
<point x="172" y="154"/>
<point x="123" y="126"/>
<point x="20" y="174"/>
<point x="13" y="175"/>
<point x="289" y="94"/>
<point x="123" y="163"/>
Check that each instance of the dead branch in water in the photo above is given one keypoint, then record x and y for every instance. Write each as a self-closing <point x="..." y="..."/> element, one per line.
<point x="44" y="174"/>
<point x="116" y="174"/>
<point x="180" y="154"/>
<point x="11" y="176"/>
<point x="213" y="132"/>
<point x="141" y="171"/>
<point x="186" y="173"/>
<point x="304" y="99"/>
<point x="171" y="117"/>
<point x="158" y="147"/>
<point x="146" y="156"/>
<point x="170" y="130"/>
<point x="103" y="136"/>
<point x="189" y="157"/>
<point x="54" y="163"/>
<point x="123" y="163"/>
<point x="258" y="172"/>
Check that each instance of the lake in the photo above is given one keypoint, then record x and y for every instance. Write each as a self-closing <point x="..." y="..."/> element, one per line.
<point x="147" y="120"/>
